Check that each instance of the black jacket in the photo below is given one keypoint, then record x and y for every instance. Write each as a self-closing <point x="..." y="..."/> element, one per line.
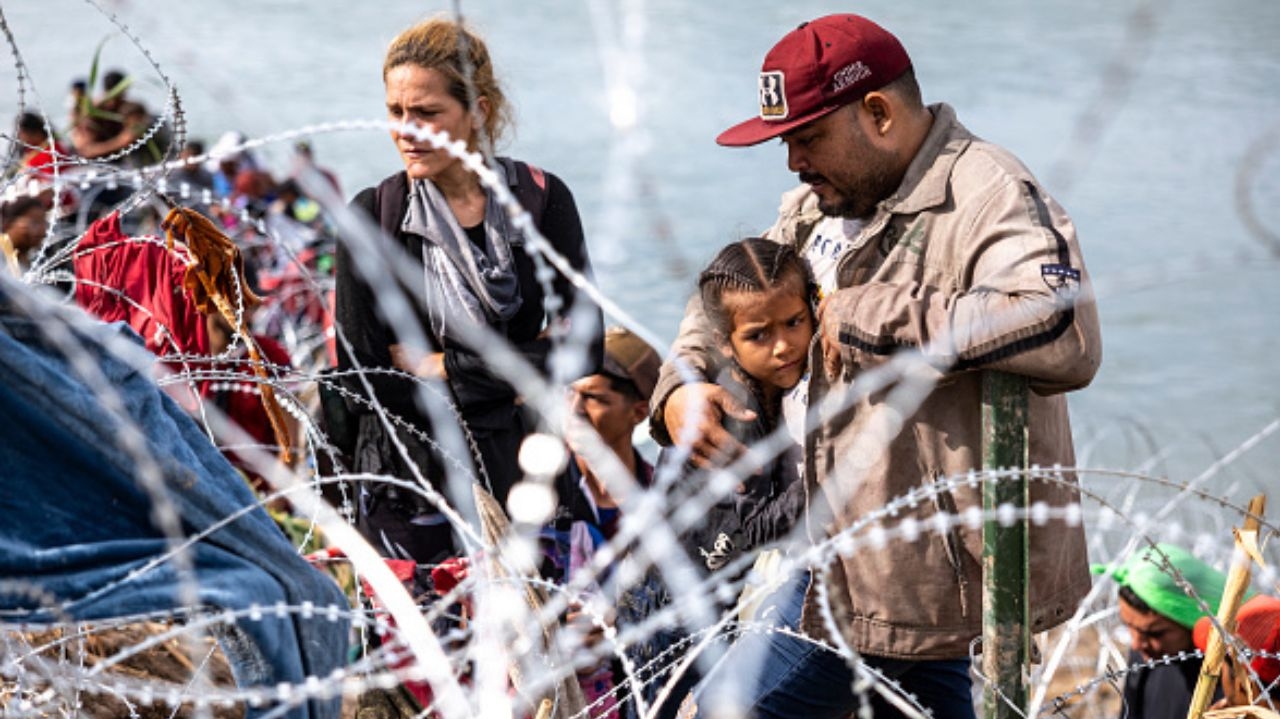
<point x="486" y="403"/>
<point x="1162" y="691"/>
<point x="766" y="505"/>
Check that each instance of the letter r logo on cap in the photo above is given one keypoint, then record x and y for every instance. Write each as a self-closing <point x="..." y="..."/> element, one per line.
<point x="773" y="96"/>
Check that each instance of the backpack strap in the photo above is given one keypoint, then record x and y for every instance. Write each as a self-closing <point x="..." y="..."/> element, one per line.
<point x="529" y="185"/>
<point x="391" y="200"/>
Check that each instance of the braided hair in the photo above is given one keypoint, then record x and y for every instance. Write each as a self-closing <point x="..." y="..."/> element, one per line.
<point x="751" y="265"/>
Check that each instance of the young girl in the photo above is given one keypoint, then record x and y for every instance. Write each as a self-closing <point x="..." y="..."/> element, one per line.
<point x="757" y="295"/>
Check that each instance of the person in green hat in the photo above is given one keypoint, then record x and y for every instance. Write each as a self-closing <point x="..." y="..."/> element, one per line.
<point x="1163" y="591"/>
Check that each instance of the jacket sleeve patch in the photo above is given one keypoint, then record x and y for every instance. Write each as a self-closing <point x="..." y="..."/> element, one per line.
<point x="1060" y="277"/>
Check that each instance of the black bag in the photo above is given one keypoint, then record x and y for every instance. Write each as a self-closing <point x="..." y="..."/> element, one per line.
<point x="338" y="422"/>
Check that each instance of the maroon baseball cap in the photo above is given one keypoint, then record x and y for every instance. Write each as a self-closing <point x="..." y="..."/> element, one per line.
<point x="817" y="68"/>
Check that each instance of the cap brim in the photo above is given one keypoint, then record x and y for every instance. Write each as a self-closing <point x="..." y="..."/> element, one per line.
<point x="756" y="130"/>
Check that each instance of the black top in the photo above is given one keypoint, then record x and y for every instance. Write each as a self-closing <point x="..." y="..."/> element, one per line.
<point x="493" y="419"/>
<point x="1160" y="692"/>
<point x="474" y="388"/>
<point x="765" y="506"/>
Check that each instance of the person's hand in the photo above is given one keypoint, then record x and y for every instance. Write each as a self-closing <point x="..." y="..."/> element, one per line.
<point x="418" y="362"/>
<point x="82" y="140"/>
<point x="433" y="366"/>
<point x="579" y="619"/>
<point x="79" y="134"/>
<point x="701" y="406"/>
<point x="829" y="331"/>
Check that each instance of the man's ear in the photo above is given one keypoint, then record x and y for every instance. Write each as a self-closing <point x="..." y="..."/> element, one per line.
<point x="880" y="109"/>
<point x="639" y="411"/>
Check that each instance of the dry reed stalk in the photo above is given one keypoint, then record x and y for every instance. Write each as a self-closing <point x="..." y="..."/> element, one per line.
<point x="1237" y="582"/>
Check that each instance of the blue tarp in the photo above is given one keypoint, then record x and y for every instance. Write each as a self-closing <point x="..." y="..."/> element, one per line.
<point x="75" y="520"/>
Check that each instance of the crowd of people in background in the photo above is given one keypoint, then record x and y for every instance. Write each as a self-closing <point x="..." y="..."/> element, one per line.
<point x="85" y="164"/>
<point x="844" y="279"/>
<point x="65" y="176"/>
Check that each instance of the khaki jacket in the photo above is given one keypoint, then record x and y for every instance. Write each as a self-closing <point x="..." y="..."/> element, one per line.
<point x="974" y="266"/>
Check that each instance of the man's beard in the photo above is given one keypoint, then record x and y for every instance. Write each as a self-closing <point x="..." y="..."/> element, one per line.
<point x="844" y="206"/>
<point x="857" y="197"/>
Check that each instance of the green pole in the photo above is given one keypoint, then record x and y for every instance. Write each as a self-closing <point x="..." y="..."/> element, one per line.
<point x="1006" y="636"/>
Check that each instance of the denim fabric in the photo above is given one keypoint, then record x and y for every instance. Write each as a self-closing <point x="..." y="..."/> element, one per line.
<point x="639" y="602"/>
<point x="797" y="679"/>
<point x="76" y="521"/>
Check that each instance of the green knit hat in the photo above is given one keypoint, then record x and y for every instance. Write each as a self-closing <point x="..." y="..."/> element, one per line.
<point x="1146" y="575"/>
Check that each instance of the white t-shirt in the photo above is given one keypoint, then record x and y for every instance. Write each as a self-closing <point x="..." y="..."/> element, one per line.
<point x="831" y="239"/>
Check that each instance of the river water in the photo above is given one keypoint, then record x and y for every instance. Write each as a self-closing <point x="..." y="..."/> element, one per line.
<point x="1156" y="124"/>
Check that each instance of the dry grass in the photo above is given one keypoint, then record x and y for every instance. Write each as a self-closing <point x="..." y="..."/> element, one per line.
<point x="168" y="665"/>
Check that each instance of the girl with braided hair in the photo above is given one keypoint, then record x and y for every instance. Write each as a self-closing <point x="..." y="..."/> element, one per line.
<point x="758" y="295"/>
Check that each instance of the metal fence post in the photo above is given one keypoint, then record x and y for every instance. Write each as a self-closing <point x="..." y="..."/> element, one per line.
<point x="1006" y="635"/>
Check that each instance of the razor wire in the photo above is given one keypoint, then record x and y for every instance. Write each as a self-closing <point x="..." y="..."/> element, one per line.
<point x="648" y="534"/>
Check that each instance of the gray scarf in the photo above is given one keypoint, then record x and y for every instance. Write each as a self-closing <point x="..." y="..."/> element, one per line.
<point x="462" y="284"/>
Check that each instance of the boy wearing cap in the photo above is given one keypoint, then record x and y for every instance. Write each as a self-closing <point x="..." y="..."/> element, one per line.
<point x="1159" y="614"/>
<point x="1249" y="679"/>
<point x="613" y="402"/>
<point x="922" y="237"/>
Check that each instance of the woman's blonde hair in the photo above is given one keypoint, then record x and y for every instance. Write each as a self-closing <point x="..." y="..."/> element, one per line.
<point x="441" y="44"/>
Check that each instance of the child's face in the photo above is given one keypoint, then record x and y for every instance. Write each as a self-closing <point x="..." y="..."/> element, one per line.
<point x="613" y="414"/>
<point x="770" y="336"/>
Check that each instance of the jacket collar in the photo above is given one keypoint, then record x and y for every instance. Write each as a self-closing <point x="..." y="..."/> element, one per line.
<point x="925" y="184"/>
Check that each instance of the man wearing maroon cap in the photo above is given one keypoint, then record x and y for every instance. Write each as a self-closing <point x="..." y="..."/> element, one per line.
<point x="926" y="239"/>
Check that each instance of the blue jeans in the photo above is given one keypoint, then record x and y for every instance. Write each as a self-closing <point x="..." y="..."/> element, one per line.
<point x="798" y="679"/>
<point x="77" y="529"/>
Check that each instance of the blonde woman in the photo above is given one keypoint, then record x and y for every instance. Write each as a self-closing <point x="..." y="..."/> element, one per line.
<point x="469" y="266"/>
